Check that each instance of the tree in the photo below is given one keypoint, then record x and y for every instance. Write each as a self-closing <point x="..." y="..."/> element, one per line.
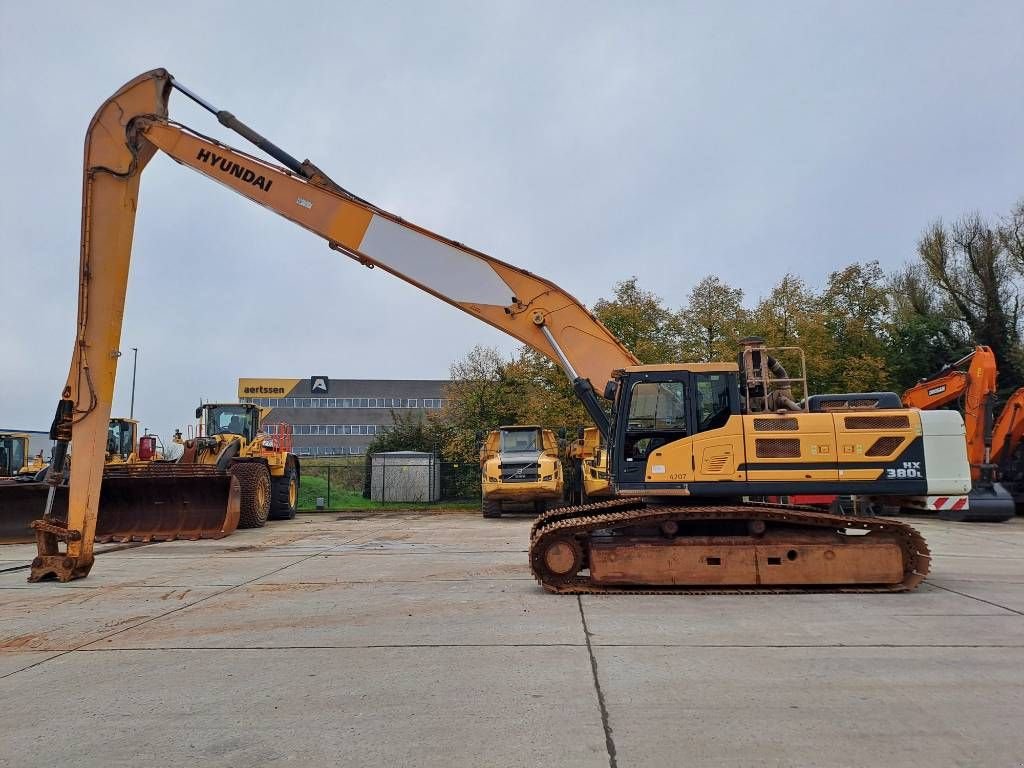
<point x="410" y="432"/>
<point x="974" y="267"/>
<point x="791" y="315"/>
<point x="641" y="321"/>
<point x="923" y="336"/>
<point x="548" y="399"/>
<point x="712" y="321"/>
<point x="856" y="305"/>
<point x="485" y="392"/>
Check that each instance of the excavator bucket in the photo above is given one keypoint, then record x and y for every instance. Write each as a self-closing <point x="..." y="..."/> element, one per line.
<point x="152" y="502"/>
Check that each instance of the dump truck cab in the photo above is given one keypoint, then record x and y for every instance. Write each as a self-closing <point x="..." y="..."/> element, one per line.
<point x="519" y="466"/>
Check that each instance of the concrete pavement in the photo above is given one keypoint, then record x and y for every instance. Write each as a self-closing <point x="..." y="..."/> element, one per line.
<point x="421" y="640"/>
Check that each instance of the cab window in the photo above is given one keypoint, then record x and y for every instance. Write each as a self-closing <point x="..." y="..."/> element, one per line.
<point x="520" y="440"/>
<point x="712" y="400"/>
<point x="657" y="415"/>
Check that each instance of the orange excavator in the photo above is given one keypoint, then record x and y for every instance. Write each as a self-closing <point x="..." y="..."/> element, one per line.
<point x="686" y="442"/>
<point x="991" y="442"/>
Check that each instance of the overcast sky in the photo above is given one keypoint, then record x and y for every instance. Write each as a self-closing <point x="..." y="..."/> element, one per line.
<point x="583" y="141"/>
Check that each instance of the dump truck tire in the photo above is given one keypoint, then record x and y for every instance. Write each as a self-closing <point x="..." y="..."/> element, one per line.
<point x="490" y="508"/>
<point x="254" y="483"/>
<point x="284" y="500"/>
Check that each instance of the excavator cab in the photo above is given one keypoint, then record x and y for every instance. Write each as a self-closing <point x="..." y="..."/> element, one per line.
<point x="659" y="405"/>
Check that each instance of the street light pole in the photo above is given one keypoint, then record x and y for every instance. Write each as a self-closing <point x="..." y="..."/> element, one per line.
<point x="135" y="363"/>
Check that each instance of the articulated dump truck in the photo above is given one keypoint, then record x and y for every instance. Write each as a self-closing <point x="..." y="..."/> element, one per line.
<point x="519" y="469"/>
<point x="589" y="458"/>
<point x="143" y="498"/>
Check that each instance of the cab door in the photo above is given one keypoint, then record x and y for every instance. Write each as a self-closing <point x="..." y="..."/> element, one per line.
<point x="653" y="424"/>
<point x="717" y="444"/>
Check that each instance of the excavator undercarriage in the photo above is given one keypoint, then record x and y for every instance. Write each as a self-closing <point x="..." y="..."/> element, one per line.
<point x="632" y="546"/>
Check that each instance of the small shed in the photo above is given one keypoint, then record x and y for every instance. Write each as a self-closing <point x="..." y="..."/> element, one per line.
<point x="405" y="476"/>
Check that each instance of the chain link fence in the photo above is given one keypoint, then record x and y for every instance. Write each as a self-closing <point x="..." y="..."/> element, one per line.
<point x="352" y="483"/>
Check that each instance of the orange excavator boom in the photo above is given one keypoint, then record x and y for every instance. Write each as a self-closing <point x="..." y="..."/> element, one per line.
<point x="972" y="379"/>
<point x="976" y="384"/>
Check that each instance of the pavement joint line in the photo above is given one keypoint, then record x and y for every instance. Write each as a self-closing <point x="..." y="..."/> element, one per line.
<point x="414" y="646"/>
<point x="154" y="618"/>
<point x="979" y="599"/>
<point x="609" y="741"/>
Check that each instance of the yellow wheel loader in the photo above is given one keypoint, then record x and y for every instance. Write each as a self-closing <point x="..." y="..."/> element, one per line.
<point x="15" y="461"/>
<point x="686" y="442"/>
<point x="519" y="467"/>
<point x="126" y="446"/>
<point x="229" y="437"/>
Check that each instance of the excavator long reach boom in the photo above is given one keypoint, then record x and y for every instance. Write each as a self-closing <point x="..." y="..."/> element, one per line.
<point x="127" y="130"/>
<point x="684" y="449"/>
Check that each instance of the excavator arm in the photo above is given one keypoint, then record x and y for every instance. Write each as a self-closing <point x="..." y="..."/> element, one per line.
<point x="127" y="130"/>
<point x="1009" y="428"/>
<point x="977" y="386"/>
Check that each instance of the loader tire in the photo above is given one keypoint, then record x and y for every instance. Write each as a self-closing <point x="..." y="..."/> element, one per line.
<point x="254" y="483"/>
<point x="284" y="495"/>
<point x="490" y="508"/>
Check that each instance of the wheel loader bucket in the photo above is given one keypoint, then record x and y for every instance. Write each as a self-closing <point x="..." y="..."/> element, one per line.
<point x="137" y="503"/>
<point x="162" y="502"/>
<point x="20" y="504"/>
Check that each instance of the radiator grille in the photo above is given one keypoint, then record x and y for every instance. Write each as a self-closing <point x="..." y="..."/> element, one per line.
<point x="877" y="422"/>
<point x="778" y="448"/>
<point x="519" y="474"/>
<point x="884" y="446"/>
<point x="776" y="425"/>
<point x="863" y="404"/>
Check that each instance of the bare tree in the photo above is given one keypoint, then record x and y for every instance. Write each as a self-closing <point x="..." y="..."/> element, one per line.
<point x="974" y="267"/>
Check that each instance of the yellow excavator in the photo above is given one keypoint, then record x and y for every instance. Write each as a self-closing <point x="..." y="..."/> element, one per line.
<point x="229" y="437"/>
<point x="519" y="468"/>
<point x="686" y="442"/>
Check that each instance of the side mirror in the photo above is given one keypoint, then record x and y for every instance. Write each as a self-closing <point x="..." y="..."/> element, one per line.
<point x="199" y="412"/>
<point x="479" y="436"/>
<point x="609" y="389"/>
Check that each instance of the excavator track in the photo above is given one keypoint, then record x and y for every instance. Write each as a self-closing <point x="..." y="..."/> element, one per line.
<point x="613" y="540"/>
